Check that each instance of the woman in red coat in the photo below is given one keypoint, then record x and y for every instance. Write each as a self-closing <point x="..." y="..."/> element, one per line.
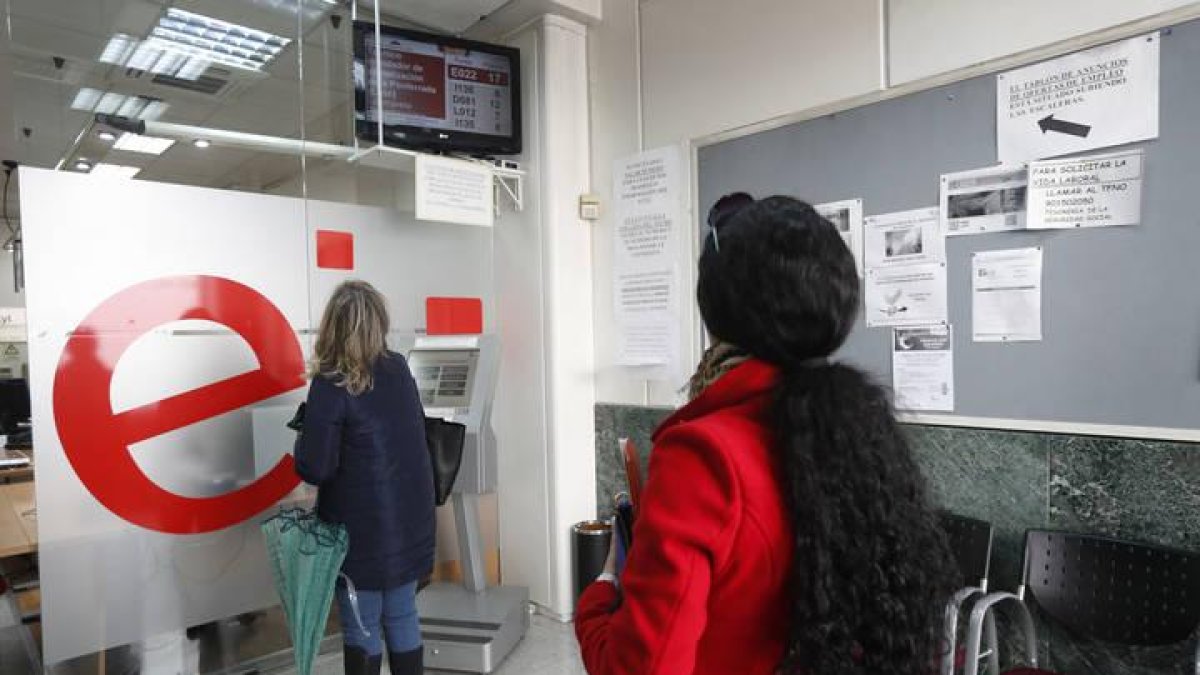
<point x="785" y="526"/>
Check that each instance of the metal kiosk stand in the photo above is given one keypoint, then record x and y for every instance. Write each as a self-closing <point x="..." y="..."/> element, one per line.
<point x="467" y="627"/>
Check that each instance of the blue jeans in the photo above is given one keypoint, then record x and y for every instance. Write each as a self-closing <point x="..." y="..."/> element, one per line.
<point x="392" y="612"/>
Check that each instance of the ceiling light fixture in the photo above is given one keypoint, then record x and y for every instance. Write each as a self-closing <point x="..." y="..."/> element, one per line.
<point x="203" y="37"/>
<point x="88" y="99"/>
<point x="151" y="57"/>
<point x="83" y="165"/>
<point x="201" y="142"/>
<point x="106" y="135"/>
<point x="149" y="145"/>
<point x="115" y="171"/>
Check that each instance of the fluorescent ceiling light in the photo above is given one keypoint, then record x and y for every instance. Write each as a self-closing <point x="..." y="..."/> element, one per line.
<point x="119" y="49"/>
<point x="115" y="171"/>
<point x="150" y="145"/>
<point x="83" y="165"/>
<point x="107" y="136"/>
<point x="201" y="142"/>
<point x="112" y="103"/>
<point x="86" y="99"/>
<point x="183" y="44"/>
<point x="205" y="38"/>
<point x="152" y="56"/>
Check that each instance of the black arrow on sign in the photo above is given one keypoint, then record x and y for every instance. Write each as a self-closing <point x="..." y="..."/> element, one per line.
<point x="1048" y="123"/>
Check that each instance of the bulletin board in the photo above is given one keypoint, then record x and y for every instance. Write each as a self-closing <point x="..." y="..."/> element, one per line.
<point x="1120" y="305"/>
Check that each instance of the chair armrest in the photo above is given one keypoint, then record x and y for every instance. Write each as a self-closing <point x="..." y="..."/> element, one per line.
<point x="950" y="626"/>
<point x="975" y="630"/>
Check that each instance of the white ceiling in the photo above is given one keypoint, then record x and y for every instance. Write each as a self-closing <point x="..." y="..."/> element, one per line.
<point x="36" y="95"/>
<point x="448" y="16"/>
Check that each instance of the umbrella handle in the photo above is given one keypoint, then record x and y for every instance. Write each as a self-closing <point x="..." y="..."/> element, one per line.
<point x="353" y="595"/>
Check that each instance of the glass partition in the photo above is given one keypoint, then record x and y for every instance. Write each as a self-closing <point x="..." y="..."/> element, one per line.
<point x="188" y="196"/>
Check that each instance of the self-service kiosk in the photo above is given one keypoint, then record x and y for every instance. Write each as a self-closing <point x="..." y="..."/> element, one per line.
<point x="469" y="627"/>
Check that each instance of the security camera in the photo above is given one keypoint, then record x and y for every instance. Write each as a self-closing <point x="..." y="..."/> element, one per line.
<point x="336" y="20"/>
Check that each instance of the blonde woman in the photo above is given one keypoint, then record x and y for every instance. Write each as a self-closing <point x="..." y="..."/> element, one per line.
<point x="363" y="444"/>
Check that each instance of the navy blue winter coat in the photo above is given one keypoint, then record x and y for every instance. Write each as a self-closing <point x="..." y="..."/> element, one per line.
<point x="368" y="456"/>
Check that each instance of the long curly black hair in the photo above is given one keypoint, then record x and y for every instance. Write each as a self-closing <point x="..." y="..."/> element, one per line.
<point x="871" y="570"/>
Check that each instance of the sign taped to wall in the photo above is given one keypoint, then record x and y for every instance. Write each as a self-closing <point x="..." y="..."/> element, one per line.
<point x="1092" y="99"/>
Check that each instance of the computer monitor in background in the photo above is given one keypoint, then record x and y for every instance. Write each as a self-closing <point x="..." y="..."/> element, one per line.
<point x="14" y="404"/>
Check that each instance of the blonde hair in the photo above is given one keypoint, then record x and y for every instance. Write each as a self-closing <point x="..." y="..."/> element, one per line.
<point x="352" y="337"/>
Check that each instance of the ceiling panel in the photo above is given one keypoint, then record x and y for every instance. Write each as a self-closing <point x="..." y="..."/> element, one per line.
<point x="95" y="17"/>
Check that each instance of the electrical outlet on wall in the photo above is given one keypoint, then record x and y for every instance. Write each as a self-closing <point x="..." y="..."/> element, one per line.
<point x="589" y="207"/>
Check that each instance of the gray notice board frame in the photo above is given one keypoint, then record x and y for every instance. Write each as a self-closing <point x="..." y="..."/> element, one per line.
<point x="1121" y="306"/>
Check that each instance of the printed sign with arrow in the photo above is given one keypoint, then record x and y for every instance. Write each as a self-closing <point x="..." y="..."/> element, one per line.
<point x="1097" y="98"/>
<point x="1048" y="123"/>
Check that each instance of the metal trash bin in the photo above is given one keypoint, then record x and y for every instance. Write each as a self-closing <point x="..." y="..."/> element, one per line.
<point x="590" y="541"/>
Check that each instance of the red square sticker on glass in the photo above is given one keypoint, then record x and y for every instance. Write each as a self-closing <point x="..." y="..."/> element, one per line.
<point x="453" y="316"/>
<point x="335" y="250"/>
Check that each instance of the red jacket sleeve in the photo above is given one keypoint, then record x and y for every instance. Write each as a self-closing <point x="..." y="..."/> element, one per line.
<point x="681" y="534"/>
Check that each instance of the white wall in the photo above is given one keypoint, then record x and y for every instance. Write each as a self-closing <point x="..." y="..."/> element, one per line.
<point x="613" y="90"/>
<point x="543" y="274"/>
<point x="928" y="37"/>
<point x="711" y="66"/>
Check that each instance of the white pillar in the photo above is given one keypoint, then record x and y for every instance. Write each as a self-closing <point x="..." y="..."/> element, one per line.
<point x="544" y="414"/>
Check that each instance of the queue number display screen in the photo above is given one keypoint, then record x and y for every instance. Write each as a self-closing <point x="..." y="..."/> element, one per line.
<point x="440" y="87"/>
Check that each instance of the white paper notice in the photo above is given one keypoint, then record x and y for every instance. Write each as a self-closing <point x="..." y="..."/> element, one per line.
<point x="12" y="324"/>
<point x="905" y="256"/>
<point x="1007" y="295"/>
<point x="847" y="217"/>
<point x="454" y="191"/>
<point x="648" y="210"/>
<point x="647" y="344"/>
<point x="906" y="296"/>
<point x="923" y="368"/>
<point x="904" y="238"/>
<point x="1092" y="99"/>
<point x="984" y="200"/>
<point x="1096" y="191"/>
<point x="643" y="297"/>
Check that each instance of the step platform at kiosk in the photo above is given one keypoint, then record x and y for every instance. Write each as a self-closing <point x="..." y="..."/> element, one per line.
<point x="466" y="627"/>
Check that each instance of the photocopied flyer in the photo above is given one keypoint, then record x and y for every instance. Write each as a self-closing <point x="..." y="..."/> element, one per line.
<point x="1007" y="295"/>
<point x="847" y="217"/>
<point x="906" y="296"/>
<point x="923" y="368"/>
<point x="984" y="200"/>
<point x="1095" y="191"/>
<point x="645" y="285"/>
<point x="904" y="238"/>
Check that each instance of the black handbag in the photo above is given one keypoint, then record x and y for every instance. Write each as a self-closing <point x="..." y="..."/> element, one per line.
<point x="444" y="441"/>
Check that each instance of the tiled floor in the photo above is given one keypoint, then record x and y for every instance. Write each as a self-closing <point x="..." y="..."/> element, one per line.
<point x="549" y="648"/>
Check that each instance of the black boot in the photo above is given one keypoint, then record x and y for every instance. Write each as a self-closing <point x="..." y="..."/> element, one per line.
<point x="407" y="663"/>
<point x="356" y="661"/>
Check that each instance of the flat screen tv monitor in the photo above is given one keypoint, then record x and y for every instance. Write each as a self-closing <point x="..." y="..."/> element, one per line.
<point x="439" y="93"/>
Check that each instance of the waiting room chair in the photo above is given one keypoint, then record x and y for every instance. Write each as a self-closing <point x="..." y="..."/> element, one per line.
<point x="1102" y="588"/>
<point x="970" y="541"/>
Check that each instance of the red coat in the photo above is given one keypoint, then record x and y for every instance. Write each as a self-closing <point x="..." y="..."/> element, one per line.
<point x="704" y="585"/>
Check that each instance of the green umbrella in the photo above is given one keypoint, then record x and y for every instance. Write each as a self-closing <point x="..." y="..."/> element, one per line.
<point x="306" y="559"/>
